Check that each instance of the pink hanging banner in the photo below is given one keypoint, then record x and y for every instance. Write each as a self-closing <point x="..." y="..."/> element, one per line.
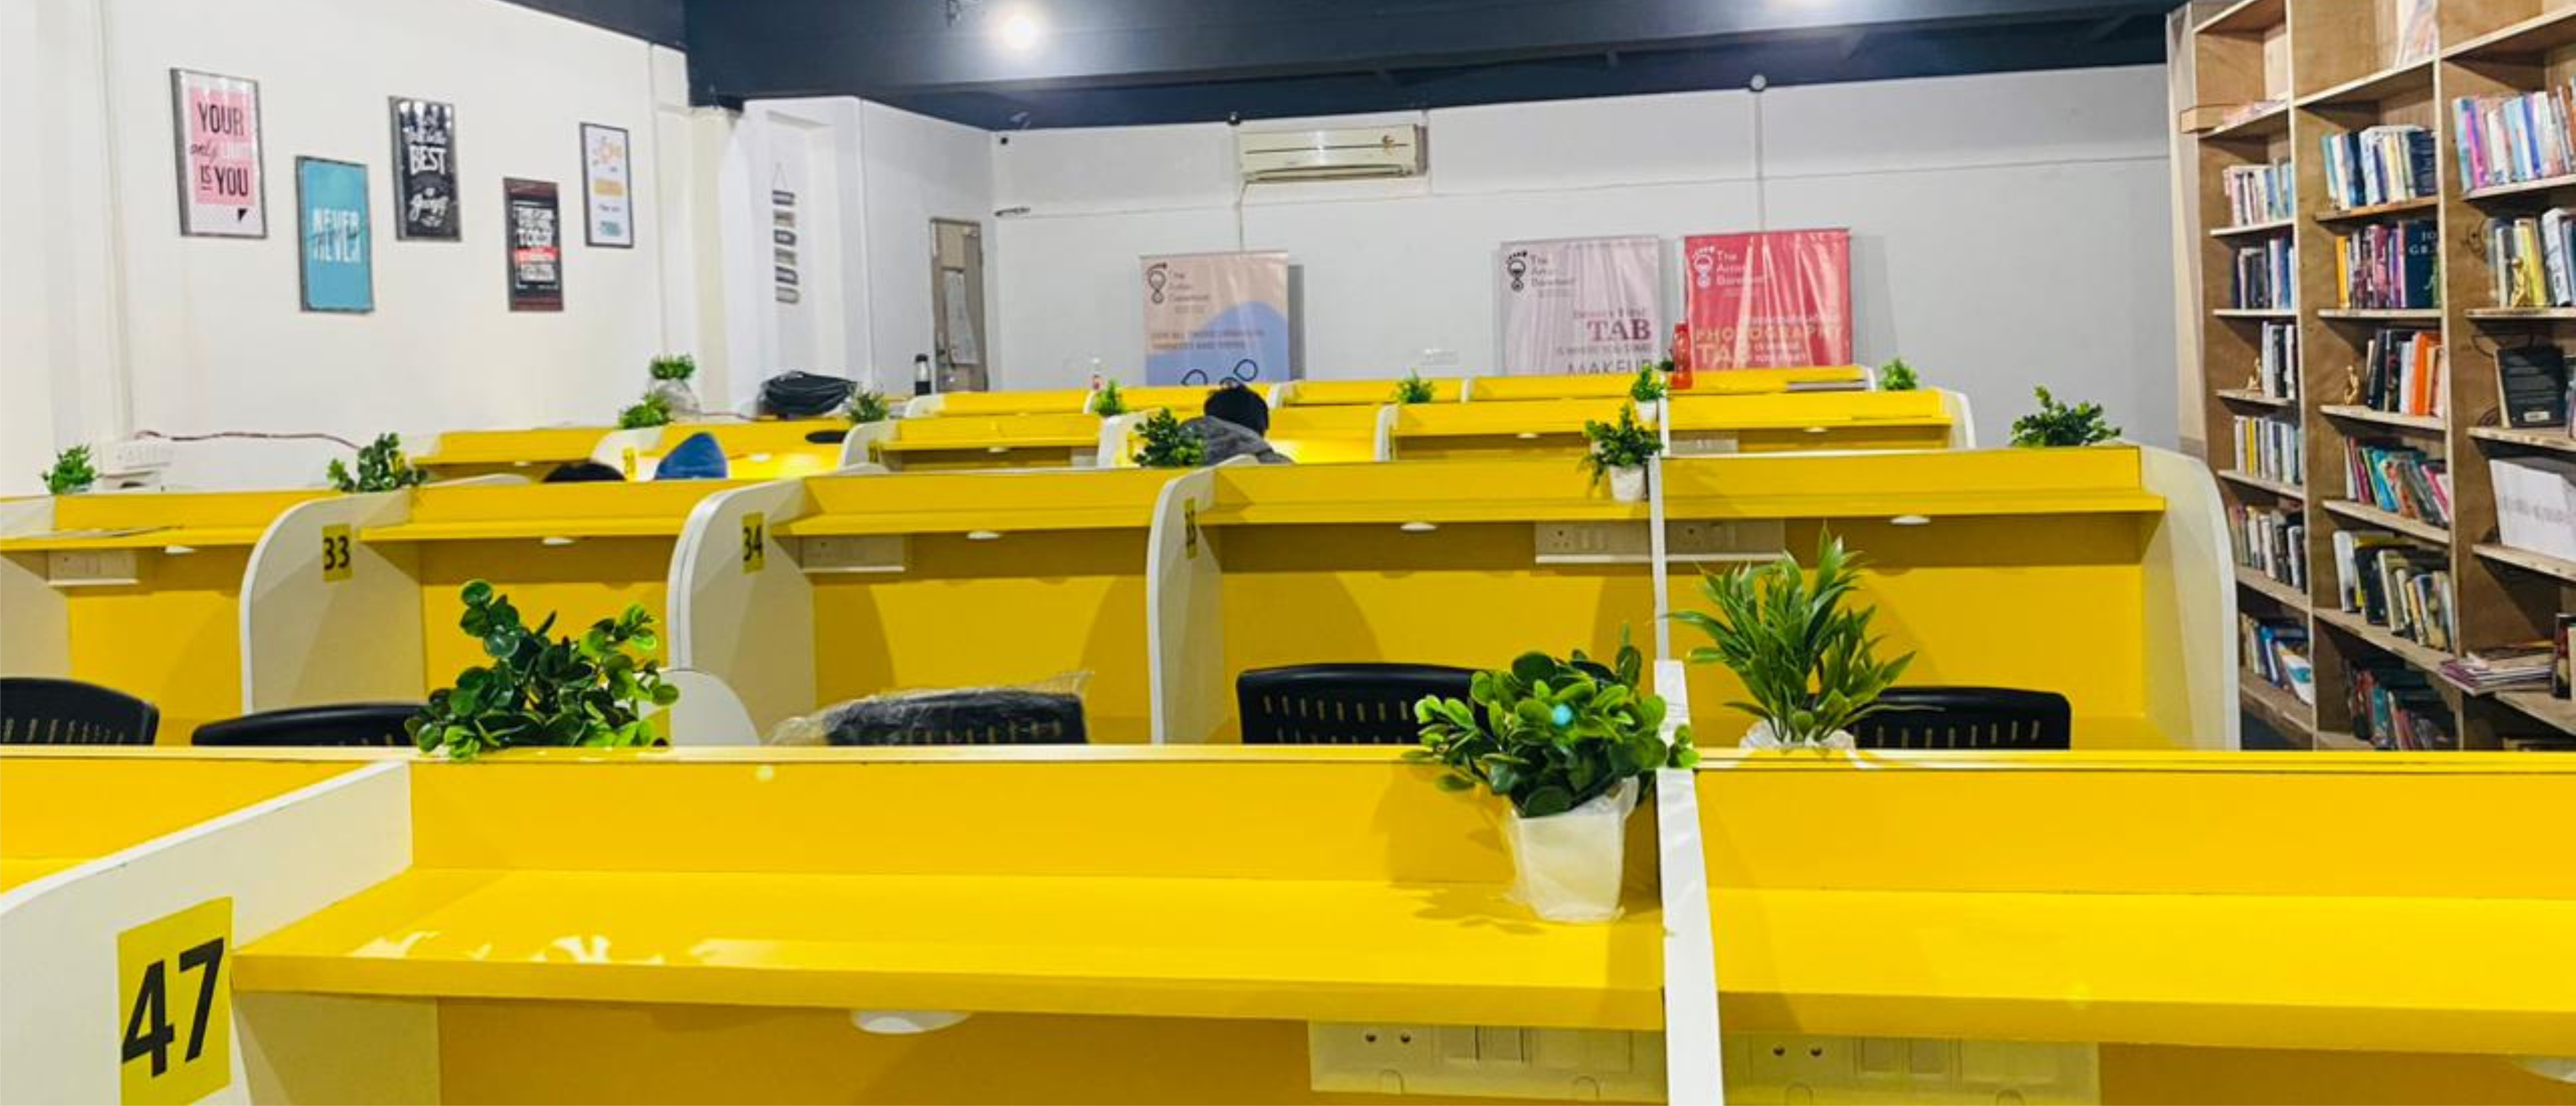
<point x="1770" y="299"/>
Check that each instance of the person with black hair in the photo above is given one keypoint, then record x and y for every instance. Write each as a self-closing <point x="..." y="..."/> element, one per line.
<point x="1233" y="424"/>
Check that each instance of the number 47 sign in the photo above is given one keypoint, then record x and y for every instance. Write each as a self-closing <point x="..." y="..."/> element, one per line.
<point x="174" y="993"/>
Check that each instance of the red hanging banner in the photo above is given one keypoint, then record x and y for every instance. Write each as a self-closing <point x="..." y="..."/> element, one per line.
<point x="1772" y="299"/>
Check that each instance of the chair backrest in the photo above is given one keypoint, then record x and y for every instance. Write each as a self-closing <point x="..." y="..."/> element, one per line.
<point x="366" y="725"/>
<point x="1341" y="704"/>
<point x="1967" y="718"/>
<point x="38" y="711"/>
<point x="989" y="716"/>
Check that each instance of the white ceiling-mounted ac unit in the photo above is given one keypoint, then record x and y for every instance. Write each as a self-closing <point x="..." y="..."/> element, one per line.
<point x="1341" y="153"/>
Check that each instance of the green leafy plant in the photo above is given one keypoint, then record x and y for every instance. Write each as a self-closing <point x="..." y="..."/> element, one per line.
<point x="868" y="405"/>
<point x="2056" y="424"/>
<point x="381" y="468"/>
<point x="591" y="691"/>
<point x="1169" y="444"/>
<point x="1413" y="389"/>
<point x="646" y="412"/>
<point x="1624" y="444"/>
<point x="1808" y="661"/>
<point x="1897" y="376"/>
<point x="72" y="472"/>
<point x="673" y="366"/>
<point x="1649" y="385"/>
<point x="1110" y="401"/>
<point x="1550" y="735"/>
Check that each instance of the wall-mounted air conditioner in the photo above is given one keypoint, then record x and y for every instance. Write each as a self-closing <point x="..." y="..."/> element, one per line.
<point x="1341" y="153"/>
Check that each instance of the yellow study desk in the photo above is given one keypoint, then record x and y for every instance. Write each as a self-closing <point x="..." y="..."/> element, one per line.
<point x="60" y="811"/>
<point x="138" y="591"/>
<point x="529" y="453"/>
<point x="875" y="583"/>
<point x="1468" y="431"/>
<point x="958" y="442"/>
<point x="767" y="449"/>
<point x="1700" y="422"/>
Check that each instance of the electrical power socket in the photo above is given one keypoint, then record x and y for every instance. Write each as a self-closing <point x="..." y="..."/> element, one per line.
<point x="135" y="456"/>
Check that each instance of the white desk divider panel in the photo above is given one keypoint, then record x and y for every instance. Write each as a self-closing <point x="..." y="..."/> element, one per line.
<point x="709" y="714"/>
<point x="1963" y="420"/>
<point x="856" y="445"/>
<point x="747" y="620"/>
<point x="36" y="629"/>
<point x="1185" y="602"/>
<point x="352" y="635"/>
<point x="277" y="860"/>
<point x="2191" y="604"/>
<point x="1111" y="453"/>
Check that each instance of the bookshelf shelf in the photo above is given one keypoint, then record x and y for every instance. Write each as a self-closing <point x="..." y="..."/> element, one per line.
<point x="2262" y="126"/>
<point x="2380" y="211"/>
<point x="2528" y="38"/>
<point x="2414" y="78"/>
<point x="2424" y="424"/>
<point x="2248" y="395"/>
<point x="2542" y="186"/>
<point x="2270" y="588"/>
<point x="2528" y="561"/>
<point x="2521" y="314"/>
<point x="2559" y="713"/>
<point x="2276" y="226"/>
<point x="2555" y="440"/>
<point x="2342" y="742"/>
<point x="2421" y="656"/>
<point x="2389" y="520"/>
<point x="2274" y="487"/>
<point x="2277" y="707"/>
<point x="2245" y="17"/>
<point x="2429" y="315"/>
<point x="2255" y="313"/>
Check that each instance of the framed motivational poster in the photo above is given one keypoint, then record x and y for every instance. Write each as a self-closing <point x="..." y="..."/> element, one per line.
<point x="607" y="191"/>
<point x="536" y="244"/>
<point x="425" y="198"/>
<point x="217" y="121"/>
<point x="337" y="270"/>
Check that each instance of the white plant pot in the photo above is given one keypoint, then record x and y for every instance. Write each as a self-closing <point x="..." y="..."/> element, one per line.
<point x="1568" y="867"/>
<point x="1759" y="736"/>
<point x="679" y="396"/>
<point x="1628" y="485"/>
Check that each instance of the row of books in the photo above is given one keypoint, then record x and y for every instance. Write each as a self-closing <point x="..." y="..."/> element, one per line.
<point x="2536" y="504"/>
<point x="2396" y="707"/>
<point x="2398" y="479"/>
<point x="2396" y="585"/>
<point x="2260" y="193"/>
<point x="2272" y="542"/>
<point x="2530" y="259"/>
<point x="2268" y="446"/>
<point x="2379" y="165"/>
<point x="2267" y="277"/>
<point x="2505" y="140"/>
<point x="2389" y="266"/>
<point x="2517" y="667"/>
<point x="2404" y="372"/>
<point x="2276" y="652"/>
<point x="2276" y="371"/>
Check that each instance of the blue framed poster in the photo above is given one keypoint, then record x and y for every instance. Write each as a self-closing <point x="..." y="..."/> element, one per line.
<point x="336" y="240"/>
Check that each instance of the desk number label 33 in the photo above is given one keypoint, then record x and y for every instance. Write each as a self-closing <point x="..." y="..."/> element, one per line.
<point x="174" y="1002"/>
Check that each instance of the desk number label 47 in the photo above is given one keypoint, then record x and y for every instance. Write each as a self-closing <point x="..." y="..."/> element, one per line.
<point x="174" y="1001"/>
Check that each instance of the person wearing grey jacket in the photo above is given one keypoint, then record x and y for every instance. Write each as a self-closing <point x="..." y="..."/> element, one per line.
<point x="1233" y="424"/>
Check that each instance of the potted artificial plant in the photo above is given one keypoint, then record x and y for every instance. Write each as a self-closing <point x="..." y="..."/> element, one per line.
<point x="1808" y="662"/>
<point x="381" y="468"/>
<point x="1168" y="443"/>
<point x="1897" y="376"/>
<point x="72" y="473"/>
<point x="2056" y="424"/>
<point x="671" y="376"/>
<point x="1565" y="743"/>
<point x="592" y="691"/>
<point x="649" y="411"/>
<point x="1649" y="385"/>
<point x="1109" y="401"/>
<point x="867" y="405"/>
<point x="1621" y="451"/>
<point x="1413" y="389"/>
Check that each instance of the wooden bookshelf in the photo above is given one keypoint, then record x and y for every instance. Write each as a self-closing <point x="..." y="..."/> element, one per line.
<point x="2338" y="66"/>
<point x="2341" y="742"/>
<point x="2251" y="230"/>
<point x="2255" y="313"/>
<point x="2279" y="709"/>
<point x="2542" y="706"/>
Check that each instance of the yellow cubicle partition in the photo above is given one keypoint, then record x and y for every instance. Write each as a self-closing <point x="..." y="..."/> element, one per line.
<point x="768" y="449"/>
<point x="807" y="593"/>
<point x="1362" y="393"/>
<point x="138" y="591"/>
<point x="1043" y="401"/>
<point x="966" y="442"/>
<point x="762" y="449"/>
<point x="1699" y="423"/>
<point x="1526" y="428"/>
<point x="363" y="604"/>
<point x="528" y="453"/>
<point x="1736" y="382"/>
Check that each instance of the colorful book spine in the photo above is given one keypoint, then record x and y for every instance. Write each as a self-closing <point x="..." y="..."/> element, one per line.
<point x="2506" y="140"/>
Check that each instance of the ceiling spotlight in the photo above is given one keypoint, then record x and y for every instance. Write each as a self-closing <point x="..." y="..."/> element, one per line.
<point x="1019" y="31"/>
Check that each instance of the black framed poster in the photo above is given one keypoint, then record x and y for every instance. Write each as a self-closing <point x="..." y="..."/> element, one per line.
<point x="536" y="244"/>
<point x="425" y="200"/>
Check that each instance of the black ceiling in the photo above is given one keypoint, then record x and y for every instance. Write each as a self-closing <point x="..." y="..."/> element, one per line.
<point x="1115" y="62"/>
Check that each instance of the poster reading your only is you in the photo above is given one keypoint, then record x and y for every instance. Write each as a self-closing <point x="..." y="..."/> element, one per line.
<point x="217" y="122"/>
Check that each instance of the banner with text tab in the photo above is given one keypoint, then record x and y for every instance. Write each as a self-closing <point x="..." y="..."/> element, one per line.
<point x="1580" y="305"/>
<point x="1214" y="317"/>
<point x="1774" y="299"/>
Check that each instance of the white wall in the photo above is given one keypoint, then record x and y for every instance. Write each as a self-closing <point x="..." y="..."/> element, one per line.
<point x="207" y="330"/>
<point x="2010" y="230"/>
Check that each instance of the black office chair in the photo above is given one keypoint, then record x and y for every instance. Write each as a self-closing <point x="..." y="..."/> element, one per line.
<point x="1341" y="704"/>
<point x="983" y="717"/>
<point x="1967" y="718"/>
<point x="39" y="711"/>
<point x="362" y="725"/>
